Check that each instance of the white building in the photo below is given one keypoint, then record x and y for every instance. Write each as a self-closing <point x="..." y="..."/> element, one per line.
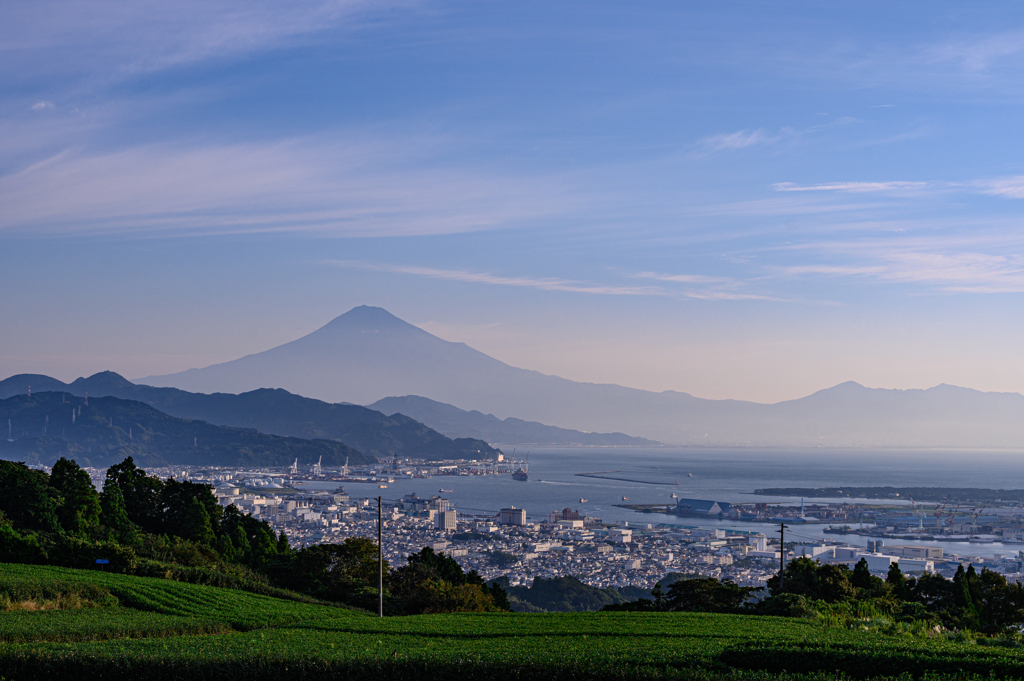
<point x="445" y="521"/>
<point x="512" y="516"/>
<point x="620" y="535"/>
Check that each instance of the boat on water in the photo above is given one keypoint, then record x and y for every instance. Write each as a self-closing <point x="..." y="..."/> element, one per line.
<point x="382" y="486"/>
<point x="521" y="475"/>
<point x="689" y="475"/>
<point x="582" y="500"/>
<point x="446" y="491"/>
<point x="674" y="495"/>
<point x="625" y="498"/>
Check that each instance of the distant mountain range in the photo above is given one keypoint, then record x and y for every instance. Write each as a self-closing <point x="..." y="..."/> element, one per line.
<point x="48" y="425"/>
<point x="368" y="354"/>
<point x="275" y="412"/>
<point x="450" y="420"/>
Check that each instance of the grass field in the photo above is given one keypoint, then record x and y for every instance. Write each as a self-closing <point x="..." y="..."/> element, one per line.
<point x="158" y="629"/>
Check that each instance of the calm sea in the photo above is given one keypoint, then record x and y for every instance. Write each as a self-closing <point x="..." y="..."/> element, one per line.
<point x="709" y="473"/>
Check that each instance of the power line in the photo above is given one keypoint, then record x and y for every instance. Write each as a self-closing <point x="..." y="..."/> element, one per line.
<point x="782" y="554"/>
<point x="380" y="559"/>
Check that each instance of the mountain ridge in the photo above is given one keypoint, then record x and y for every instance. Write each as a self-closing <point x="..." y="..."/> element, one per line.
<point x="278" y="412"/>
<point x="448" y="420"/>
<point x="367" y="354"/>
<point x="101" y="431"/>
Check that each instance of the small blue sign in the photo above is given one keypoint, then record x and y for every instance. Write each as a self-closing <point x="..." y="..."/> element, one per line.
<point x="102" y="561"/>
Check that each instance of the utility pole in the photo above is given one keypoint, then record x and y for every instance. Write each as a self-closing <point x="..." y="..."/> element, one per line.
<point x="782" y="554"/>
<point x="380" y="559"/>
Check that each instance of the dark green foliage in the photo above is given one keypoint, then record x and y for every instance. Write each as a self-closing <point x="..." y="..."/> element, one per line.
<point x="829" y="583"/>
<point x="78" y="507"/>
<point x="862" y="577"/>
<point x="110" y="429"/>
<point x="562" y="594"/>
<point x="177" y="513"/>
<point x="114" y="515"/>
<point x="705" y="594"/>
<point x="195" y="526"/>
<point x="983" y="602"/>
<point x="503" y="559"/>
<point x="141" y="494"/>
<point x="332" y="572"/>
<point x="432" y="582"/>
<point x="26" y="498"/>
<point x="692" y="594"/>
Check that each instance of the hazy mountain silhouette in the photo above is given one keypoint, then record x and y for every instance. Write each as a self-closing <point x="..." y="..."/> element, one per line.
<point x="276" y="412"/>
<point x="450" y="420"/>
<point x="103" y="432"/>
<point x="368" y="354"/>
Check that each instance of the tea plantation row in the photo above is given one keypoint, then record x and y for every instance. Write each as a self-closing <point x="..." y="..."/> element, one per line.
<point x="160" y="629"/>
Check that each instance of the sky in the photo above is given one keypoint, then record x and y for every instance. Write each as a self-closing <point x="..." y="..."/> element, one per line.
<point x="732" y="199"/>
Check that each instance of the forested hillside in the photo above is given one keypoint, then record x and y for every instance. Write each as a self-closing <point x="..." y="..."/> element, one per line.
<point x="47" y="426"/>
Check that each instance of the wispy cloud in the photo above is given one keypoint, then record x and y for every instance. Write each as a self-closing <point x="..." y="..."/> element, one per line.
<point x="979" y="54"/>
<point x="344" y="184"/>
<point x="542" y="283"/>
<point x="43" y="106"/>
<point x="1011" y="187"/>
<point x="854" y="187"/>
<point x="1008" y="187"/>
<point x="942" y="264"/>
<point x="104" y="37"/>
<point x="704" y="287"/>
<point x="741" y="139"/>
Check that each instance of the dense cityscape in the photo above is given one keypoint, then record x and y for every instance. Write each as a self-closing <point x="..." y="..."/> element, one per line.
<point x="564" y="542"/>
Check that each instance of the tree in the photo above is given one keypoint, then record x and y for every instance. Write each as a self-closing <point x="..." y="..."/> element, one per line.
<point x="114" y="516"/>
<point x="434" y="582"/>
<point x="863" y="579"/>
<point x="175" y="502"/>
<point x="79" y="506"/>
<point x="195" y="526"/>
<point x="141" y="494"/>
<point x="26" y="498"/>
<point x="329" y="571"/>
<point x="899" y="585"/>
<point x="707" y="594"/>
<point x="659" y="597"/>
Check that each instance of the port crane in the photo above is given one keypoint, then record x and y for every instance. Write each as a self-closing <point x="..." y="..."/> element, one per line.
<point x="974" y="521"/>
<point x="920" y="516"/>
<point x="938" y="512"/>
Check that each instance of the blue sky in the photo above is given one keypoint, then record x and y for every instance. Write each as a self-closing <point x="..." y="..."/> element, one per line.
<point x="746" y="200"/>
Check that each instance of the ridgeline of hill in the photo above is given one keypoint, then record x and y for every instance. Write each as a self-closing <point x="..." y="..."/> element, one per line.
<point x="275" y="412"/>
<point x="49" y="425"/>
<point x="451" y="421"/>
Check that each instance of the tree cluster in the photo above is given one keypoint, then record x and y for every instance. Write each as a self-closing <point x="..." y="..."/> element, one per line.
<point x="144" y="525"/>
<point x="60" y="518"/>
<point x="984" y="602"/>
<point x="695" y="594"/>
<point x="429" y="582"/>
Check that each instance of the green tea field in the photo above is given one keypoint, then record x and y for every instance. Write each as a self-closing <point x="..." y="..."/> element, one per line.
<point x="116" y="627"/>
